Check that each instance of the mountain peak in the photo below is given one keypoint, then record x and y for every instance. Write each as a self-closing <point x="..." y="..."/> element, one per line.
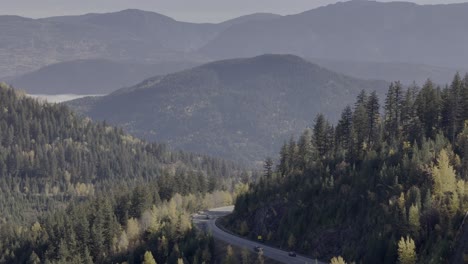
<point x="136" y="14"/>
<point x="250" y="18"/>
<point x="245" y="106"/>
<point x="264" y="58"/>
<point x="134" y="11"/>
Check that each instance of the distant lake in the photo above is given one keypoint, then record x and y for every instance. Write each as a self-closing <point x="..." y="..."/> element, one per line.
<point x="58" y="98"/>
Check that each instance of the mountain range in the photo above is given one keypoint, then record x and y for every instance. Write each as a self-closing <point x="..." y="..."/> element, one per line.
<point x="130" y="35"/>
<point x="364" y="39"/>
<point x="241" y="109"/>
<point x="356" y="30"/>
<point x="406" y="73"/>
<point x="100" y="76"/>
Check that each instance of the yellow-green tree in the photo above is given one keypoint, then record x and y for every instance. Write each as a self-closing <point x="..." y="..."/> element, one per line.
<point x="36" y="227"/>
<point x="149" y="259"/>
<point x="413" y="218"/>
<point x="443" y="175"/>
<point x="445" y="183"/>
<point x="133" y="229"/>
<point x="122" y="244"/>
<point x="406" y="251"/>
<point x="337" y="260"/>
<point x="401" y="202"/>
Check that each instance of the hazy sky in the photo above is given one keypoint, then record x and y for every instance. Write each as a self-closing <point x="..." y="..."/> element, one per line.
<point x="184" y="10"/>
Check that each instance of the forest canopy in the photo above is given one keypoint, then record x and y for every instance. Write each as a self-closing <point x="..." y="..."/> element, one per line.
<point x="76" y="191"/>
<point x="375" y="187"/>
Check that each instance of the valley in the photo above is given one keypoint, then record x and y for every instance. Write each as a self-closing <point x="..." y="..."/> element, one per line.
<point x="233" y="132"/>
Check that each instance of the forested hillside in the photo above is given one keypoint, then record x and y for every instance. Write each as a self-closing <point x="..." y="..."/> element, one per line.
<point x="240" y="109"/>
<point x="373" y="188"/>
<point x="74" y="191"/>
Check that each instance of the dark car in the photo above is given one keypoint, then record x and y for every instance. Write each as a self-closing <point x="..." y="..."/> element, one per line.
<point x="258" y="249"/>
<point x="292" y="254"/>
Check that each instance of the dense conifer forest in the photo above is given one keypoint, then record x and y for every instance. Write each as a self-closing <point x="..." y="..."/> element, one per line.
<point x="378" y="187"/>
<point x="75" y="191"/>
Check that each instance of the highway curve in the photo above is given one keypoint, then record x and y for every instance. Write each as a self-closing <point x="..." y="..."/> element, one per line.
<point x="209" y="220"/>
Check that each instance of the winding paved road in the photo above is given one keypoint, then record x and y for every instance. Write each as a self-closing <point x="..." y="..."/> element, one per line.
<point x="270" y="252"/>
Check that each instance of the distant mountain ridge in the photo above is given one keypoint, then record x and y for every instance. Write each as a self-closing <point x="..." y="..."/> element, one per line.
<point x="358" y="31"/>
<point x="93" y="76"/>
<point x="129" y="35"/>
<point x="407" y="73"/>
<point x="241" y="108"/>
<point x="100" y="76"/>
<point x="395" y="32"/>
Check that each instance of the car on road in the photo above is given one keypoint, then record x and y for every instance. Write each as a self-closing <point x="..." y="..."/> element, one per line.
<point x="258" y="249"/>
<point x="292" y="254"/>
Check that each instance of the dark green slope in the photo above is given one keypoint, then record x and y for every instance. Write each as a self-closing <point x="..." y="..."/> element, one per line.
<point x="74" y="191"/>
<point x="49" y="157"/>
<point x="375" y="188"/>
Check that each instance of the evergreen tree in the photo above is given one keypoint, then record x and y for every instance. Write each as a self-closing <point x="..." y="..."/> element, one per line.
<point x="34" y="259"/>
<point x="454" y="105"/>
<point x="427" y="106"/>
<point x="464" y="98"/>
<point x="394" y="110"/>
<point x="268" y="168"/>
<point x="284" y="165"/>
<point x="87" y="259"/>
<point x="344" y="130"/>
<point x="409" y="116"/>
<point x="373" y="111"/>
<point x="361" y="99"/>
<point x="413" y="219"/>
<point x="377" y="187"/>
<point x="320" y="134"/>
<point x="306" y="149"/>
<point x="293" y="153"/>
